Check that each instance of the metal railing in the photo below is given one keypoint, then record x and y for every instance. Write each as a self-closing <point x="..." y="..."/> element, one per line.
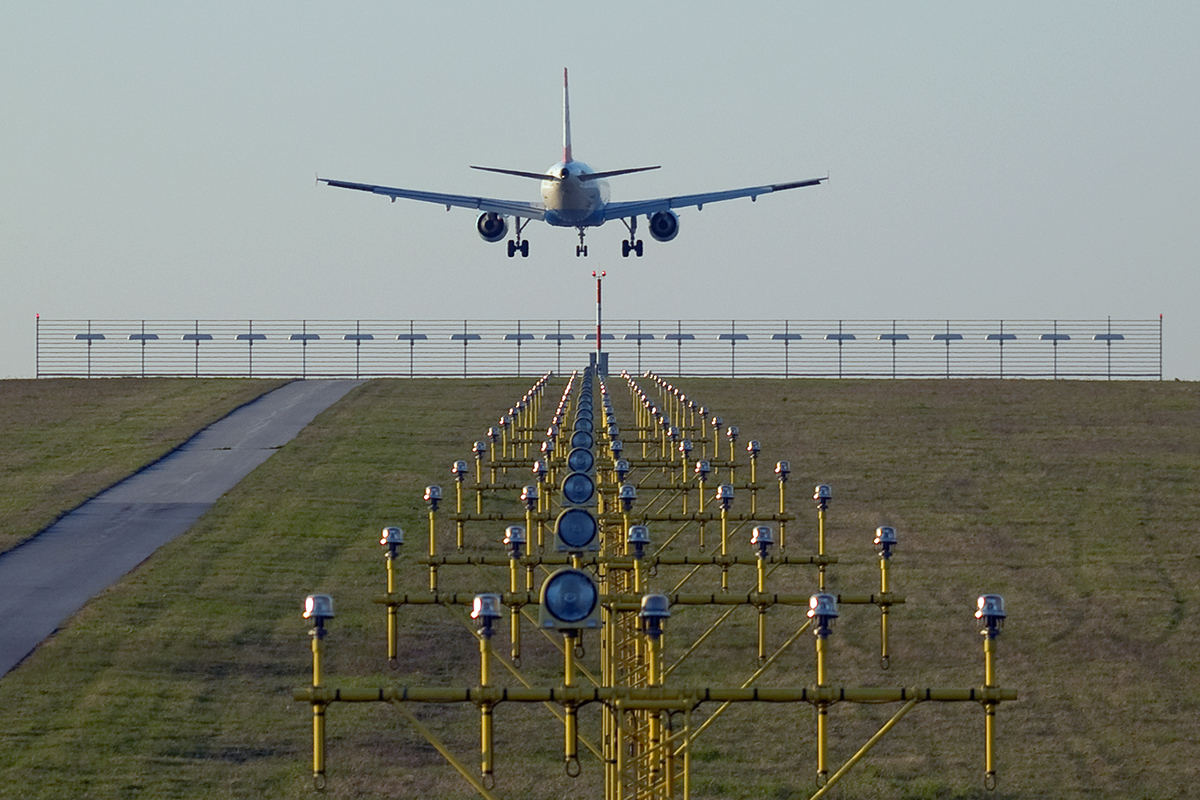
<point x="1106" y="348"/>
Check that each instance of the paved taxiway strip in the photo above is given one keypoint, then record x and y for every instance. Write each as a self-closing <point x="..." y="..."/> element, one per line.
<point x="47" y="579"/>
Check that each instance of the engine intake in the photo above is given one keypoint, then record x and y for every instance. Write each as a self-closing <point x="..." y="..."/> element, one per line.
<point x="492" y="227"/>
<point x="664" y="225"/>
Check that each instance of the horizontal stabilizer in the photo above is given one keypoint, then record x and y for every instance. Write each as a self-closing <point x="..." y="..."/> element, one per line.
<point x="591" y="176"/>
<point x="541" y="176"/>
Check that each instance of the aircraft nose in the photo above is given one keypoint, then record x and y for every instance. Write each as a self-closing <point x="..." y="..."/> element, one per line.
<point x="564" y="173"/>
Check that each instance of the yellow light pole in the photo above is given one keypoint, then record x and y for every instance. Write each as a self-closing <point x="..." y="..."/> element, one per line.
<point x="753" y="448"/>
<point x="637" y="540"/>
<point x="702" y="470"/>
<point x="762" y="539"/>
<point x="392" y="539"/>
<point x="318" y="609"/>
<point x="433" y="497"/>
<point x="486" y="611"/>
<point x="822" y="609"/>
<point x="885" y="543"/>
<point x="782" y="469"/>
<point x="655" y="610"/>
<point x="990" y="610"/>
<point x="725" y="498"/>
<point x="480" y="450"/>
<point x="514" y="538"/>
<point x="732" y="433"/>
<point x="685" y="456"/>
<point x="822" y="495"/>
<point x="459" y="470"/>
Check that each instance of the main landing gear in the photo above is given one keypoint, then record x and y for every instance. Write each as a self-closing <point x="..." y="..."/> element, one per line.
<point x="518" y="244"/>
<point x="632" y="244"/>
<point x="581" y="250"/>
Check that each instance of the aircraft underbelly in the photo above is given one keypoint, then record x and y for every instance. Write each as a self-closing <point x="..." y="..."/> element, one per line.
<point x="572" y="204"/>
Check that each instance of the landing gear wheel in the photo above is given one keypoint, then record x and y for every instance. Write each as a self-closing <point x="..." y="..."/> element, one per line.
<point x="512" y="248"/>
<point x="632" y="244"/>
<point x="524" y="248"/>
<point x="581" y="250"/>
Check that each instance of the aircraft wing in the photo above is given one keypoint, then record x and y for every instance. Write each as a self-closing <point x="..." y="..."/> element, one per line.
<point x="635" y="208"/>
<point x="514" y="208"/>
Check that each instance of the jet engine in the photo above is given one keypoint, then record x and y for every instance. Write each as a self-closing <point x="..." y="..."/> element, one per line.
<point x="492" y="227"/>
<point x="664" y="225"/>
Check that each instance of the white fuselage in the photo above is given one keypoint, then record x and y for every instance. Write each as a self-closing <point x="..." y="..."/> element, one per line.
<point x="571" y="202"/>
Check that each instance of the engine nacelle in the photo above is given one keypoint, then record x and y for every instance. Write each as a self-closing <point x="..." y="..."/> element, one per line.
<point x="492" y="227"/>
<point x="664" y="225"/>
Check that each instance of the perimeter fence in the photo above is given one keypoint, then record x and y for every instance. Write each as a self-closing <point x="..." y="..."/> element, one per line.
<point x="776" y="348"/>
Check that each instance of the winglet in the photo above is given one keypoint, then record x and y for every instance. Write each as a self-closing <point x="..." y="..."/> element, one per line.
<point x="566" y="121"/>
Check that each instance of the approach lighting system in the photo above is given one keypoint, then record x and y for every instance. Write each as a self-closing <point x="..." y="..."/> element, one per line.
<point x="576" y="531"/>
<point x="578" y="489"/>
<point x="822" y="610"/>
<point x="514" y="539"/>
<point x="762" y="538"/>
<point x="529" y="496"/>
<point x="628" y="496"/>
<point x="433" y="496"/>
<point x="656" y="608"/>
<point x="990" y="609"/>
<point x="783" y="469"/>
<point x="822" y="495"/>
<point x="580" y="460"/>
<point x="621" y="468"/>
<point x="392" y="539"/>
<point x="724" y="495"/>
<point x="570" y="601"/>
<point x="885" y="540"/>
<point x="318" y="608"/>
<point x="638" y="540"/>
<point x="485" y="610"/>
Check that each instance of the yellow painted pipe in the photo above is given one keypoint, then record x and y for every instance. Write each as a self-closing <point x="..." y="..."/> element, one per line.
<point x="433" y="583"/>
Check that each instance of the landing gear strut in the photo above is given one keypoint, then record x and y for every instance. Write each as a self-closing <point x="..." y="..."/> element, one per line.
<point x="633" y="244"/>
<point x="519" y="244"/>
<point x="581" y="250"/>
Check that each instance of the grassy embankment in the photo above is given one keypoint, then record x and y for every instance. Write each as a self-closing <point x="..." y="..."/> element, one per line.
<point x="1076" y="501"/>
<point x="62" y="441"/>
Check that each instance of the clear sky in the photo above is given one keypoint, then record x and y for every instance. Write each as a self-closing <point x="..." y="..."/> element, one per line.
<point x="987" y="160"/>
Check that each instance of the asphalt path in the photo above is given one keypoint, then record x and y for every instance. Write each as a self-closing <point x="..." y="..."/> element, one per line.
<point x="44" y="581"/>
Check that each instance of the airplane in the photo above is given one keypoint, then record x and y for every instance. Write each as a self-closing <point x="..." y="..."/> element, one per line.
<point x="573" y="196"/>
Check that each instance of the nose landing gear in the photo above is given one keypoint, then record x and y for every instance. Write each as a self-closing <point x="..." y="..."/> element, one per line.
<point x="581" y="250"/>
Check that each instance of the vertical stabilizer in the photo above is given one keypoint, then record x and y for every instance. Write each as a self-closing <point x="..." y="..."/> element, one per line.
<point x="566" y="120"/>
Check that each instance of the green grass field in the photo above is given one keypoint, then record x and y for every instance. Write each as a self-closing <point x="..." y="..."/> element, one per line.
<point x="62" y="441"/>
<point x="1076" y="501"/>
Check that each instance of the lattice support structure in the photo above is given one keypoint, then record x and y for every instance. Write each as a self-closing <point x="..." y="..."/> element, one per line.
<point x="578" y="496"/>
